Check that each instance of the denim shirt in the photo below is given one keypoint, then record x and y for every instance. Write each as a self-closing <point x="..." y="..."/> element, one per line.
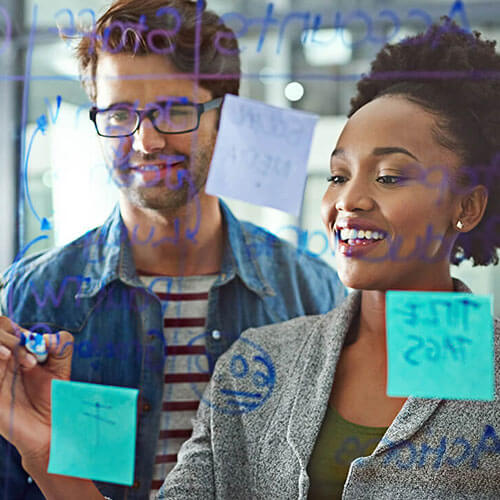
<point x="90" y="288"/>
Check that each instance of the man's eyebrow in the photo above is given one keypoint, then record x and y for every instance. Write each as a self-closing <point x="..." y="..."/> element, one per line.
<point x="393" y="150"/>
<point x="120" y="103"/>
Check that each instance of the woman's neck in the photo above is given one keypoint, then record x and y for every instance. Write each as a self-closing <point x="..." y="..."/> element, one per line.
<point x="372" y="311"/>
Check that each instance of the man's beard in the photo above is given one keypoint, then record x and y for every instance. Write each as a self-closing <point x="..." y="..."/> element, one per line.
<point x="170" y="194"/>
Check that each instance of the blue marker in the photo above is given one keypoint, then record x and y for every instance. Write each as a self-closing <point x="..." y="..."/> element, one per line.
<point x="35" y="344"/>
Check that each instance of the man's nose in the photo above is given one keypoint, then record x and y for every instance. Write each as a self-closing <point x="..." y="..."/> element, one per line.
<point x="147" y="139"/>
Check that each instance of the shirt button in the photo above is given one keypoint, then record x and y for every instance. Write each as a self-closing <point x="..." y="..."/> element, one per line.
<point x="146" y="407"/>
<point x="136" y="484"/>
<point x="216" y="335"/>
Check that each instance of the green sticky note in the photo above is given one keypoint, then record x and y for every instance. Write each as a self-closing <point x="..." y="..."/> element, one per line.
<point x="440" y="345"/>
<point x="93" y="431"/>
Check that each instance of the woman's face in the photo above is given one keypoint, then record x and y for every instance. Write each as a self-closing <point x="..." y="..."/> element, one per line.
<point x="390" y="179"/>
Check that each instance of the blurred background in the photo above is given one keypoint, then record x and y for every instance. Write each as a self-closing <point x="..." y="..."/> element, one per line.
<point x="66" y="188"/>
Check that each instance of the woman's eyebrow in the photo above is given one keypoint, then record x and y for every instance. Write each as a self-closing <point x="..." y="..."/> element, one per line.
<point x="393" y="150"/>
<point x="338" y="152"/>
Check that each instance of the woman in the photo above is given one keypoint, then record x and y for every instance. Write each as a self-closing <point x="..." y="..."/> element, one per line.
<point x="413" y="171"/>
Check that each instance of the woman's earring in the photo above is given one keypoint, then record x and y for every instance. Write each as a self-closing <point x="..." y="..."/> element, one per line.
<point x="460" y="224"/>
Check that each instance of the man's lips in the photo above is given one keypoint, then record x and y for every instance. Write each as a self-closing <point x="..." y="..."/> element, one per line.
<point x="154" y="167"/>
<point x="149" y="174"/>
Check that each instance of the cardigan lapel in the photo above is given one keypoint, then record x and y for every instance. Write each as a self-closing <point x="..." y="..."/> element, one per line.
<point x="412" y="416"/>
<point x="320" y="352"/>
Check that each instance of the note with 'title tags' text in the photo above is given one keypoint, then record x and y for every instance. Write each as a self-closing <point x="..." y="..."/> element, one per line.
<point x="440" y="345"/>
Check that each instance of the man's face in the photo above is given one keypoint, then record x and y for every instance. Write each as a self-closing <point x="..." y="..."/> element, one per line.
<point x="154" y="170"/>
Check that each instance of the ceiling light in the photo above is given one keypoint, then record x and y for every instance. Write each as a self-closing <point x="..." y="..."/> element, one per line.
<point x="294" y="91"/>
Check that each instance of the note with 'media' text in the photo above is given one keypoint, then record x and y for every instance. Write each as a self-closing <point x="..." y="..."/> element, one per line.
<point x="93" y="431"/>
<point x="440" y="345"/>
<point x="261" y="154"/>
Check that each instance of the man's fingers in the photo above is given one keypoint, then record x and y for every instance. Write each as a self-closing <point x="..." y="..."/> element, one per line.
<point x="9" y="326"/>
<point x="60" y="349"/>
<point x="11" y="341"/>
<point x="5" y="353"/>
<point x="60" y="344"/>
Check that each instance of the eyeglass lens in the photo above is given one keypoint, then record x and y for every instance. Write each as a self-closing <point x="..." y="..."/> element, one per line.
<point x="168" y="117"/>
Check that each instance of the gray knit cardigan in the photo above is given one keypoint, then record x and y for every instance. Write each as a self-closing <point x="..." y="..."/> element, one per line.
<point x="261" y="413"/>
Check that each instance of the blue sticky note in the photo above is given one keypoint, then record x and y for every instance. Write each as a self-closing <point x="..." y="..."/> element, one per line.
<point x="261" y="154"/>
<point x="440" y="345"/>
<point x="93" y="431"/>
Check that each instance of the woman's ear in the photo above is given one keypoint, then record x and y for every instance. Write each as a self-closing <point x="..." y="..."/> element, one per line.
<point x="471" y="209"/>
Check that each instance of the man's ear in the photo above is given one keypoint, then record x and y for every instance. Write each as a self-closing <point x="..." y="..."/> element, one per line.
<point x="471" y="209"/>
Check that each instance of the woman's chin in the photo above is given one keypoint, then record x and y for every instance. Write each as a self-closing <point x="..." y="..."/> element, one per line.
<point x="360" y="281"/>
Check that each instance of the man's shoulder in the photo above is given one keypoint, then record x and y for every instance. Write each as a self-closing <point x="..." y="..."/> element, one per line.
<point x="66" y="259"/>
<point x="266" y="244"/>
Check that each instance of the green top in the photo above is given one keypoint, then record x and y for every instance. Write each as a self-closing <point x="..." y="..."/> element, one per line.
<point x="339" y="443"/>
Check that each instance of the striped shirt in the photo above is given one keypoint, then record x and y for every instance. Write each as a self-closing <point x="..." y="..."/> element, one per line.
<point x="184" y="302"/>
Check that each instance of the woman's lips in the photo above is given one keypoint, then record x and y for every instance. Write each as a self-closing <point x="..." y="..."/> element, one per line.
<point x="355" y="239"/>
<point x="355" y="247"/>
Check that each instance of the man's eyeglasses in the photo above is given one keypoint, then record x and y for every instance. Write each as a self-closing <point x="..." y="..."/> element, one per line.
<point x="169" y="117"/>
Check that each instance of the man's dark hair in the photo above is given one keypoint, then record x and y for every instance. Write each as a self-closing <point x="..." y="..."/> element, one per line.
<point x="455" y="75"/>
<point x="166" y="27"/>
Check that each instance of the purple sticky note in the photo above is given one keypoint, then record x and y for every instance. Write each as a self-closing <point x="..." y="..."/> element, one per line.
<point x="261" y="154"/>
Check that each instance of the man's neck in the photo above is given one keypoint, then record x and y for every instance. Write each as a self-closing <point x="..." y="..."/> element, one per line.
<point x="187" y="243"/>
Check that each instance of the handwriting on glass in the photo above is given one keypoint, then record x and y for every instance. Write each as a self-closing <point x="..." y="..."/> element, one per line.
<point x="441" y="314"/>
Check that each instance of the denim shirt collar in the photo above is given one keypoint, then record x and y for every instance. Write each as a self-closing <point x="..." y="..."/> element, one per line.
<point x="109" y="256"/>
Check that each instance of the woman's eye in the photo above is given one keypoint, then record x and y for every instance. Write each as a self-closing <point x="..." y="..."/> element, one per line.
<point x="336" y="179"/>
<point x="390" y="179"/>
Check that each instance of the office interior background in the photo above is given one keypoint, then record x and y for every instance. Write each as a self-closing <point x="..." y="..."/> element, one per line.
<point x="67" y="190"/>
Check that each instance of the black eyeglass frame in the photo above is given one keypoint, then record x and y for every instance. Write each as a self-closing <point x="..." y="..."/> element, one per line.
<point x="201" y="107"/>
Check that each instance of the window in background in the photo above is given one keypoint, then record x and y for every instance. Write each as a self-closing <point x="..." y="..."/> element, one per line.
<point x="68" y="181"/>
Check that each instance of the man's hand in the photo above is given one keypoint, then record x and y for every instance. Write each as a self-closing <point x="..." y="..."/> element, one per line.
<point x="25" y="385"/>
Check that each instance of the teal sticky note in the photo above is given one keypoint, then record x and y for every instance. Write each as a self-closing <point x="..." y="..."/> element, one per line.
<point x="93" y="431"/>
<point x="440" y="345"/>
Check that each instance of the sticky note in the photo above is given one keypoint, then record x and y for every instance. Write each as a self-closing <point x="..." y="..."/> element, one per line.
<point x="261" y="154"/>
<point x="440" y="345"/>
<point x="93" y="431"/>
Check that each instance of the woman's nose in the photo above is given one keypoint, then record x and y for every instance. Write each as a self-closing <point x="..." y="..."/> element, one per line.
<point x="355" y="195"/>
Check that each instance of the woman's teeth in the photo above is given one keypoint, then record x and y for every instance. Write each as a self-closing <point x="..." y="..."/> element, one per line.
<point x="360" y="234"/>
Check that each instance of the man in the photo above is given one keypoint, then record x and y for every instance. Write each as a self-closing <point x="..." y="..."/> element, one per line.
<point x="171" y="279"/>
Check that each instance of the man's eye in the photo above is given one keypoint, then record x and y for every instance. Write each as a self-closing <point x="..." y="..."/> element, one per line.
<point x="182" y="112"/>
<point x="118" y="116"/>
<point x="390" y="179"/>
<point x="336" y="179"/>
